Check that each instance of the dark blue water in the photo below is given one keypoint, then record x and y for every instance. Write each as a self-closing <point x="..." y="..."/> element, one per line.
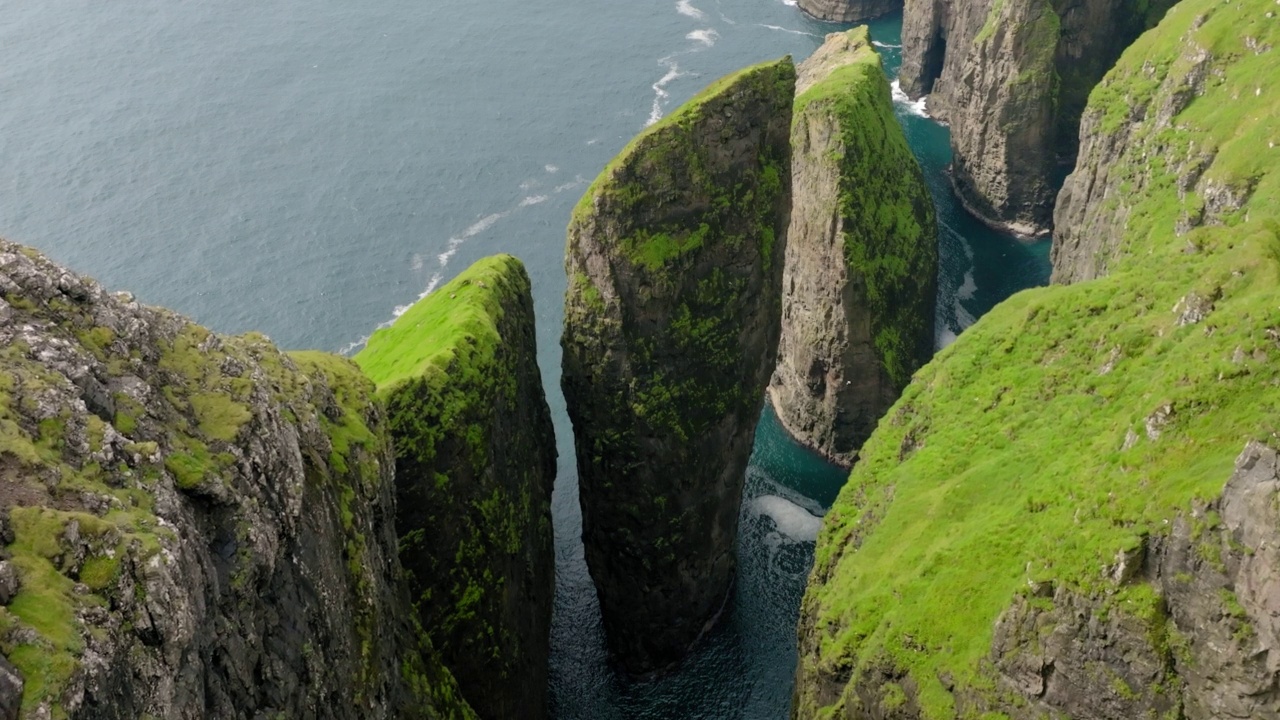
<point x="304" y="168"/>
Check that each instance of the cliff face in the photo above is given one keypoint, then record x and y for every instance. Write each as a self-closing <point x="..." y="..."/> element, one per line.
<point x="1145" y="172"/>
<point x="1057" y="518"/>
<point x="671" y="327"/>
<point x="193" y="525"/>
<point x="848" y="11"/>
<point x="860" y="279"/>
<point x="1012" y="77"/>
<point x="475" y="463"/>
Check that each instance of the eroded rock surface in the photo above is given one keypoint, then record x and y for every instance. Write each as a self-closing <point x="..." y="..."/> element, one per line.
<point x="849" y="11"/>
<point x="860" y="282"/>
<point x="475" y="464"/>
<point x="675" y="261"/>
<point x="201" y="524"/>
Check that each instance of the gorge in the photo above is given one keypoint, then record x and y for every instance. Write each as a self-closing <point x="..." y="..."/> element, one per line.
<point x="1087" y="466"/>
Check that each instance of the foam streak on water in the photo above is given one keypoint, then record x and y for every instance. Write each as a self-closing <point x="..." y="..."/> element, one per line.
<point x="914" y="107"/>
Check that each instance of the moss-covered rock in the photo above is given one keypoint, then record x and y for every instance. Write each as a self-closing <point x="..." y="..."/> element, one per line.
<point x="201" y="524"/>
<point x="1056" y="519"/>
<point x="860" y="282"/>
<point x="671" y="326"/>
<point x="475" y="462"/>
<point x="1011" y="78"/>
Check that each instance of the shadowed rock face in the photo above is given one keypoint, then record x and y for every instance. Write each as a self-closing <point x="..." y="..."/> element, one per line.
<point x="675" y="261"/>
<point x="1012" y="77"/>
<point x="860" y="282"/>
<point x="475" y="464"/>
<point x="201" y="525"/>
<point x="848" y="11"/>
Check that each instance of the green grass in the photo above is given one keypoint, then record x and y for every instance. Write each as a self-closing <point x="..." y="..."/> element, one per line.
<point x="888" y="217"/>
<point x="1002" y="464"/>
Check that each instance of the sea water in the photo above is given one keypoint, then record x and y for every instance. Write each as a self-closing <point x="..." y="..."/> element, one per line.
<point x="309" y="168"/>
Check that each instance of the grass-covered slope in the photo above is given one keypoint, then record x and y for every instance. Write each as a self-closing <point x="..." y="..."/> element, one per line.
<point x="475" y="462"/>
<point x="168" y="494"/>
<point x="1072" y="424"/>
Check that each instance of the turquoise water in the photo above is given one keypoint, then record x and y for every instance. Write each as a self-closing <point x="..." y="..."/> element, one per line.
<point x="305" y="168"/>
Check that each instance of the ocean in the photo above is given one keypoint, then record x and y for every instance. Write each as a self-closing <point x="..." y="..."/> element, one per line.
<point x="307" y="169"/>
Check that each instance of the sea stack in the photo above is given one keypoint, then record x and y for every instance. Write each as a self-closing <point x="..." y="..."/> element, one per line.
<point x="1011" y="78"/>
<point x="475" y="460"/>
<point x="860" y="281"/>
<point x="675" y="258"/>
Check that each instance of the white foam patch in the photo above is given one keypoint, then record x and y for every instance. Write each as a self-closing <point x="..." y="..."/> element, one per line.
<point x="789" y="3"/>
<point x="707" y="37"/>
<point x="919" y="108"/>
<point x="578" y="181"/>
<point x="968" y="288"/>
<point x="684" y="7"/>
<point x="533" y="200"/>
<point x="791" y="519"/>
<point x="879" y="44"/>
<point x="593" y="141"/>
<point x="551" y="169"/>
<point x="944" y="337"/>
<point x="779" y="28"/>
<point x="416" y="263"/>
<point x="660" y="92"/>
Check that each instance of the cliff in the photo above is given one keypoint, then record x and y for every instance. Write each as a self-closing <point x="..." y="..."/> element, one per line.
<point x="193" y="525"/>
<point x="675" y="260"/>
<point x="1071" y="510"/>
<point x="849" y="11"/>
<point x="860" y="277"/>
<point x="1011" y="78"/>
<point x="475" y="461"/>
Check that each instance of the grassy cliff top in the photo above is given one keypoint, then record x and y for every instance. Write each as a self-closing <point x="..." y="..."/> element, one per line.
<point x="1071" y="422"/>
<point x="776" y="75"/>
<point x="846" y="52"/>
<point x="428" y="335"/>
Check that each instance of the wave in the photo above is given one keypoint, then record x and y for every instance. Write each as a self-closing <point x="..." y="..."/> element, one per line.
<point x="790" y="519"/>
<point x="787" y="30"/>
<point x="919" y="108"/>
<point x="659" y="90"/>
<point x="707" y="37"/>
<point x="879" y="44"/>
<point x="453" y="245"/>
<point x="684" y="7"/>
<point x="550" y="168"/>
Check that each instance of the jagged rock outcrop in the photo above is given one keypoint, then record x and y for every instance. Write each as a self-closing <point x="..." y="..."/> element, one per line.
<point x="671" y="328"/>
<point x="475" y="463"/>
<point x="860" y="281"/>
<point x="1011" y="77"/>
<point x="849" y="11"/>
<point x="1056" y="519"/>
<point x="201" y="525"/>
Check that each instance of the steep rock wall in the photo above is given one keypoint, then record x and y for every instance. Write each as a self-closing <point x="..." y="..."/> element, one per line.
<point x="1056" y="518"/>
<point x="1011" y="77"/>
<point x="849" y="11"/>
<point x="671" y="327"/>
<point x="860" y="281"/>
<point x="193" y="525"/>
<point x="475" y="463"/>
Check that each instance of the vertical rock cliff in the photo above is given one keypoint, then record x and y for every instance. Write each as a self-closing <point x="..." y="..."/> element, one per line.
<point x="860" y="281"/>
<point x="475" y="462"/>
<point x="1011" y="77"/>
<point x="671" y="328"/>
<point x="193" y="525"/>
<point x="1057" y="519"/>
<point x="849" y="11"/>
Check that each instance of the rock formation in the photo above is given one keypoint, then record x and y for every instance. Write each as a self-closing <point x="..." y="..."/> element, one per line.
<point x="1057" y="518"/>
<point x="1012" y="77"/>
<point x="849" y="11"/>
<point x="193" y="525"/>
<point x="860" y="279"/>
<point x="671" y="327"/>
<point x="475" y="463"/>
